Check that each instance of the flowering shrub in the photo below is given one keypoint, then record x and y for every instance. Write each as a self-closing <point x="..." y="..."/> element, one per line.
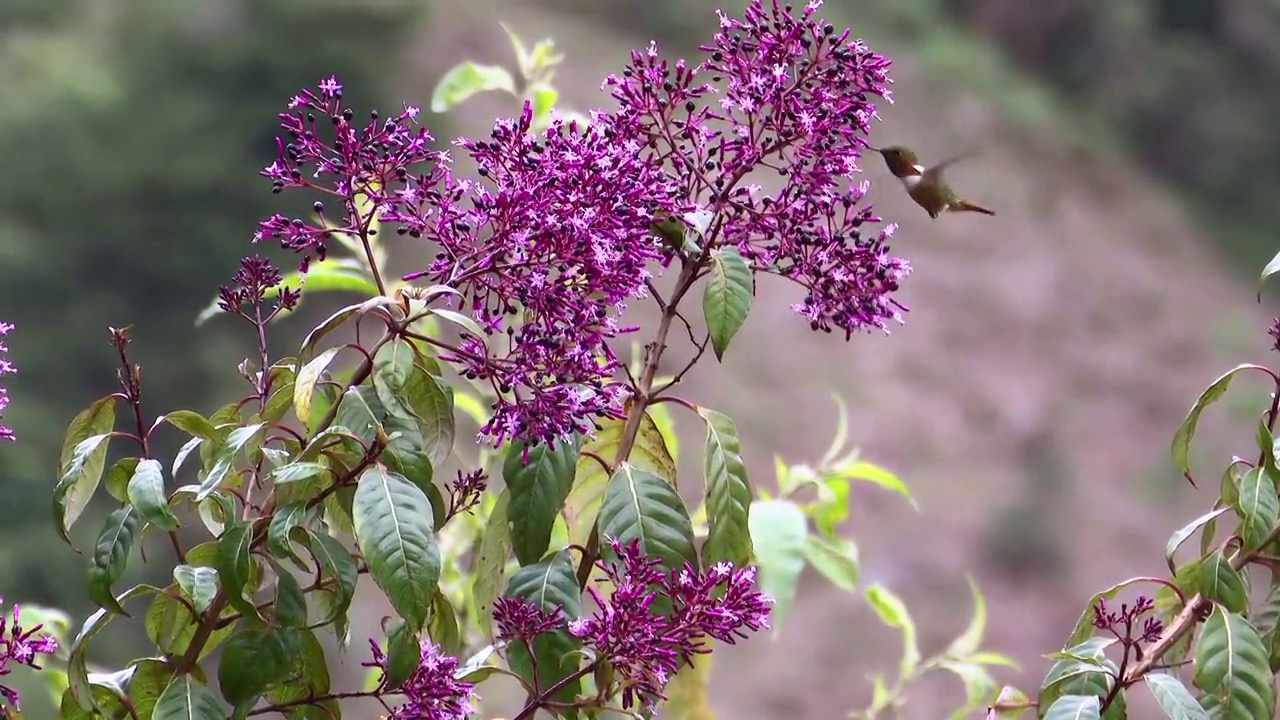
<point x="583" y="574"/>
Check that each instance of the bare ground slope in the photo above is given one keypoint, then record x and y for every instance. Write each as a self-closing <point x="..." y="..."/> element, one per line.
<point x="1049" y="354"/>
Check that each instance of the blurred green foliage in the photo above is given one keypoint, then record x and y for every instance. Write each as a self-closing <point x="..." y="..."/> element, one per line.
<point x="132" y="133"/>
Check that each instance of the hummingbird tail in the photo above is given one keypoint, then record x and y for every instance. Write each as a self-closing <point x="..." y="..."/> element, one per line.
<point x="966" y="206"/>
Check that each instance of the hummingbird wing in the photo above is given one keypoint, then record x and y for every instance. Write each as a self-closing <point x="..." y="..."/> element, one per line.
<point x="934" y="173"/>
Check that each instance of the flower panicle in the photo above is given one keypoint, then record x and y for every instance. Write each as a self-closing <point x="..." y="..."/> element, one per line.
<point x="20" y="647"/>
<point x="432" y="691"/>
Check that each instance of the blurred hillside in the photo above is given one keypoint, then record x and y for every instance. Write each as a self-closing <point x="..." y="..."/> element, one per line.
<point x="1049" y="354"/>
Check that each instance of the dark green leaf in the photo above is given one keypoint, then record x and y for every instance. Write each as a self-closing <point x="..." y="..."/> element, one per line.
<point x="404" y="653"/>
<point x="170" y="625"/>
<point x="1082" y="669"/>
<point x="309" y="676"/>
<point x="549" y="584"/>
<point x="1173" y="697"/>
<point x="199" y="584"/>
<point x="235" y="568"/>
<point x="335" y="562"/>
<point x="1232" y="669"/>
<point x="83" y="458"/>
<point x="186" y="699"/>
<point x="254" y="660"/>
<point x="649" y="452"/>
<point x="639" y="504"/>
<point x="407" y="389"/>
<point x="726" y="301"/>
<point x="728" y="493"/>
<point x="537" y="491"/>
<point x="1258" y="507"/>
<point x="1182" y="438"/>
<point x="146" y="492"/>
<point x="394" y="526"/>
<point x="466" y="79"/>
<point x="291" y="605"/>
<point x="778" y="532"/>
<point x="111" y="555"/>
<point x="1221" y="583"/>
<point x="286" y="519"/>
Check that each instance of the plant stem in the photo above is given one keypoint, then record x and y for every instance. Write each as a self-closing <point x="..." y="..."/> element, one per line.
<point x="545" y="695"/>
<point x="641" y="398"/>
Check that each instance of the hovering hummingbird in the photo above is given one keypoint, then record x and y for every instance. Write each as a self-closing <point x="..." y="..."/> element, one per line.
<point x="925" y="184"/>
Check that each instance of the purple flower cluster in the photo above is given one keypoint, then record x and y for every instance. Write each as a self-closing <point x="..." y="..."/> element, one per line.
<point x="783" y="100"/>
<point x="6" y="367"/>
<point x="431" y="692"/>
<point x="557" y="234"/>
<point x="256" y="276"/>
<point x="465" y="492"/>
<point x="1124" y="623"/>
<point x="643" y="647"/>
<point x="21" y="647"/>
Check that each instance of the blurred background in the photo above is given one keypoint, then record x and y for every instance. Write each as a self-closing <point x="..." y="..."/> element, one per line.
<point x="1127" y="147"/>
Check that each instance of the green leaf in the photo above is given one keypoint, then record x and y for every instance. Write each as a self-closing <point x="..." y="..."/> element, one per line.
<point x="111" y="555"/>
<point x="728" y="493"/>
<point x="304" y="386"/>
<point x="254" y="660"/>
<point x="1232" y="668"/>
<point x="1010" y="704"/>
<point x="199" y="584"/>
<point x="1082" y="669"/>
<point x="334" y="321"/>
<point x="83" y="458"/>
<point x="893" y="613"/>
<point x="77" y="656"/>
<point x="170" y="625"/>
<point x="463" y="321"/>
<point x="146" y="492"/>
<point x="118" y="476"/>
<point x="1268" y="270"/>
<point x="1258" y="507"/>
<point x="543" y="98"/>
<point x="590" y="478"/>
<point x="286" y="519"/>
<point x="235" y="568"/>
<point x="467" y="79"/>
<point x="868" y="472"/>
<point x="150" y="677"/>
<point x="639" y="504"/>
<point x="491" y="563"/>
<point x="442" y="627"/>
<point x="1221" y="583"/>
<point x="309" y="675"/>
<point x="1075" y="707"/>
<point x="394" y="526"/>
<point x="778" y="533"/>
<point x="537" y="490"/>
<point x="835" y="557"/>
<point x="1182" y="438"/>
<point x="186" y="699"/>
<point x="337" y="563"/>
<point x="549" y="584"/>
<point x="971" y="639"/>
<point x="978" y="684"/>
<point x="404" y="653"/>
<point x="727" y="298"/>
<point x="1173" y="697"/>
<point x="1185" y="533"/>
<point x="237" y="440"/>
<point x="1084" y="626"/>
<point x="291" y="604"/>
<point x="407" y="388"/>
<point x="193" y="424"/>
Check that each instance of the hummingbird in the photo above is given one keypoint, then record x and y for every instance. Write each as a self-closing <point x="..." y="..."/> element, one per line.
<point x="925" y="184"/>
